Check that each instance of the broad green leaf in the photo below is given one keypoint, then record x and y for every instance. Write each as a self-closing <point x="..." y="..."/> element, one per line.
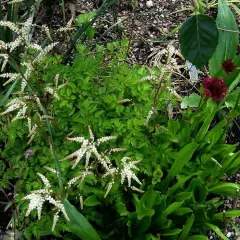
<point x="183" y="196"/>
<point x="198" y="39"/>
<point x="199" y="190"/>
<point x="212" y="109"/>
<point x="142" y="225"/>
<point x="182" y="211"/>
<point x="226" y="189"/>
<point x="121" y="209"/>
<point x="171" y="208"/>
<point x="78" y="224"/>
<point x="234" y="213"/>
<point x="192" y="101"/>
<point x="231" y="99"/>
<point x="187" y="227"/>
<point x="181" y="159"/>
<point x="179" y="184"/>
<point x="216" y="230"/>
<point x="92" y="201"/>
<point x="197" y="237"/>
<point x="228" y="38"/>
<point x="146" y="203"/>
<point x="230" y="162"/>
<point x="172" y="232"/>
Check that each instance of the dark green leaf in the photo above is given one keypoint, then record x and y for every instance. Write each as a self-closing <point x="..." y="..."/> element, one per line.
<point x="198" y="39"/>
<point x="171" y="208"/>
<point x="181" y="159"/>
<point x="186" y="228"/>
<point x="199" y="190"/>
<point x="92" y="201"/>
<point x="78" y="224"/>
<point x="146" y="203"/>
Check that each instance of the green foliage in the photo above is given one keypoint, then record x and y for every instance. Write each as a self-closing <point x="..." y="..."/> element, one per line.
<point x="192" y="101"/>
<point x="183" y="161"/>
<point x="228" y="38"/>
<point x="78" y="224"/>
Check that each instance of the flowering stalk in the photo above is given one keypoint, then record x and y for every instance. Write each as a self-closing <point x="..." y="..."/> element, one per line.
<point x="57" y="164"/>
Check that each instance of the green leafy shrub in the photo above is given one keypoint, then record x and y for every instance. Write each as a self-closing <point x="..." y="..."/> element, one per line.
<point x="183" y="162"/>
<point x="157" y="177"/>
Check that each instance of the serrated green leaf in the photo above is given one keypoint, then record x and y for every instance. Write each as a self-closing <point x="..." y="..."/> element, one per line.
<point x="192" y="101"/>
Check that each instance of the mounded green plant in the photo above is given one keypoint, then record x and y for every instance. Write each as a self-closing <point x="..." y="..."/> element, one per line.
<point x="94" y="153"/>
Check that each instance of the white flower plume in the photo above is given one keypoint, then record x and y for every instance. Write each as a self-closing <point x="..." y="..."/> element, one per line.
<point x="127" y="171"/>
<point x="53" y="90"/>
<point x="39" y="197"/>
<point x="88" y="147"/>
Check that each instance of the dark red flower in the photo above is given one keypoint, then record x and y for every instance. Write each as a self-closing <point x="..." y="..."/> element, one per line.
<point x="215" y="88"/>
<point x="228" y="66"/>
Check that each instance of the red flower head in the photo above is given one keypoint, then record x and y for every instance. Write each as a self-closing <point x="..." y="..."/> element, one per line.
<point x="215" y="88"/>
<point x="228" y="66"/>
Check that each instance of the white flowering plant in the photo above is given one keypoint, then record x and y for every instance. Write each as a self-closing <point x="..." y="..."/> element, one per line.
<point x="95" y="153"/>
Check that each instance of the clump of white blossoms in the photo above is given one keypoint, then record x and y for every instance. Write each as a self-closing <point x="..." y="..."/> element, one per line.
<point x="28" y="97"/>
<point x="89" y="149"/>
<point x="39" y="197"/>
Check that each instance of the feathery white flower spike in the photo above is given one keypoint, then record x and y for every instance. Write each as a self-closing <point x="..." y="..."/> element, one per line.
<point x="88" y="148"/>
<point x="126" y="171"/>
<point x="32" y="130"/>
<point x="109" y="188"/>
<point x="16" y="104"/>
<point x="45" y="51"/>
<point x="11" y="76"/>
<point x="5" y="61"/>
<point x="38" y="197"/>
<point x="36" y="202"/>
<point x="53" y="91"/>
<point x="45" y="180"/>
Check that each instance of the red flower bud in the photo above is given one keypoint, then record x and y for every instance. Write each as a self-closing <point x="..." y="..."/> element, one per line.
<point x="215" y="88"/>
<point x="228" y="66"/>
